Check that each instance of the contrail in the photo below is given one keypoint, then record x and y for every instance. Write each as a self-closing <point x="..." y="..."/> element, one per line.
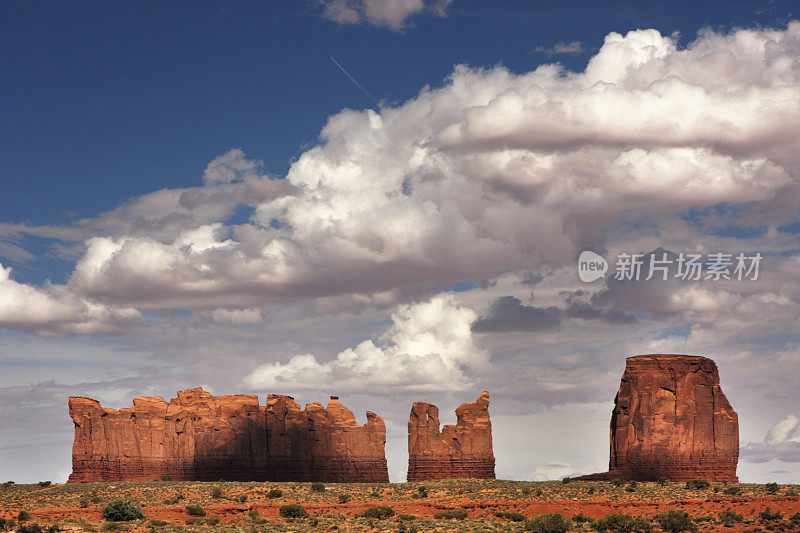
<point x="363" y="90"/>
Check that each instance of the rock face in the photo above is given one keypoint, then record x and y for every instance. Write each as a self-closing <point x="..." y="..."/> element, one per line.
<point x="460" y="451"/>
<point x="197" y="436"/>
<point x="671" y="419"/>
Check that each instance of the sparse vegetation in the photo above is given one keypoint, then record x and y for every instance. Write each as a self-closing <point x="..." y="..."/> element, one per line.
<point x="548" y="523"/>
<point x="772" y="488"/>
<point x="216" y="493"/>
<point x="195" y="510"/>
<point x="514" y="517"/>
<point x="379" y="512"/>
<point x="317" y="487"/>
<point x="728" y="518"/>
<point x="697" y="484"/>
<point x="275" y="493"/>
<point x="121" y="511"/>
<point x="675" y="521"/>
<point x="451" y="514"/>
<point x="622" y="523"/>
<point x="769" y="515"/>
<point x="23" y="515"/>
<point x="293" y="510"/>
<point x="618" y="481"/>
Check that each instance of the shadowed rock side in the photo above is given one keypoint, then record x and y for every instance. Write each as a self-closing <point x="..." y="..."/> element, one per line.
<point x="197" y="436"/>
<point x="460" y="451"/>
<point x="672" y="420"/>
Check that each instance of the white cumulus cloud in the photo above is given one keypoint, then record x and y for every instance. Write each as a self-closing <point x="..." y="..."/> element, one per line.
<point x="429" y="346"/>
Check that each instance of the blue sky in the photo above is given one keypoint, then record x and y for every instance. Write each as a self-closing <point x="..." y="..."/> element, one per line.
<point x="204" y="171"/>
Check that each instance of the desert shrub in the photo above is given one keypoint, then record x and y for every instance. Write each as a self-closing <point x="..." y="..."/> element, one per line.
<point x="514" y="517"/>
<point x="212" y="521"/>
<point x="344" y="498"/>
<point x="166" y="477"/>
<point x="791" y="493"/>
<point x="618" y="481"/>
<point x="318" y="487"/>
<point x="729" y="517"/>
<point x="374" y="494"/>
<point x="242" y="498"/>
<point x="195" y="510"/>
<point x="406" y="517"/>
<point x="675" y="521"/>
<point x="451" y="514"/>
<point x="216" y="493"/>
<point x="23" y="515"/>
<point x="632" y="486"/>
<point x="157" y="523"/>
<point x="44" y="484"/>
<point x="121" y="511"/>
<point x="5" y="524"/>
<point x="380" y="512"/>
<point x="772" y="488"/>
<point x="566" y="480"/>
<point x="770" y="515"/>
<point x="662" y="481"/>
<point x="275" y="493"/>
<point x="30" y="528"/>
<point x="83" y="503"/>
<point x="733" y="490"/>
<point x="293" y="510"/>
<point x="422" y="492"/>
<point x="697" y="484"/>
<point x="55" y="527"/>
<point x="622" y="523"/>
<point x="581" y="518"/>
<point x="795" y="518"/>
<point x="548" y="523"/>
<point x="526" y="491"/>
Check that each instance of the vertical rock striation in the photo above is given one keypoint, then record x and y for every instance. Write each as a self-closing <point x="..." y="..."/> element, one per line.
<point x="460" y="451"/>
<point x="672" y="420"/>
<point x="197" y="436"/>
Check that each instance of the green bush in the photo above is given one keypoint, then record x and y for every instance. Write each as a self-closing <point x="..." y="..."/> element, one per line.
<point x="344" y="498"/>
<point x="622" y="523"/>
<point x="212" y="521"/>
<point x="675" y="521"/>
<point x="662" y="481"/>
<point x="697" y="484"/>
<point x="769" y="515"/>
<point x="772" y="488"/>
<point x="729" y="517"/>
<point x="733" y="490"/>
<point x="379" y="511"/>
<point x="121" y="511"/>
<point x="45" y="483"/>
<point x="632" y="486"/>
<point x="23" y="515"/>
<point x="548" y="523"/>
<point x="406" y="517"/>
<point x="566" y="480"/>
<point x="6" y="524"/>
<point x="293" y="510"/>
<point x="166" y="477"/>
<point x="618" y="481"/>
<point x="216" y="493"/>
<point x="195" y="510"/>
<point x="451" y="514"/>
<point x="30" y="528"/>
<point x="318" y="487"/>
<point x="275" y="493"/>
<point x="158" y="523"/>
<point x="795" y="518"/>
<point x="514" y="517"/>
<point x="581" y="518"/>
<point x="242" y="498"/>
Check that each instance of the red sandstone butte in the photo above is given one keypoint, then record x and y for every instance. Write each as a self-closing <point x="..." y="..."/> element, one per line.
<point x="672" y="420"/>
<point x="201" y="437"/>
<point x="460" y="451"/>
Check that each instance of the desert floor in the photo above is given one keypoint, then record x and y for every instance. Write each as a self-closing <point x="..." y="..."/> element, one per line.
<point x="248" y="507"/>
